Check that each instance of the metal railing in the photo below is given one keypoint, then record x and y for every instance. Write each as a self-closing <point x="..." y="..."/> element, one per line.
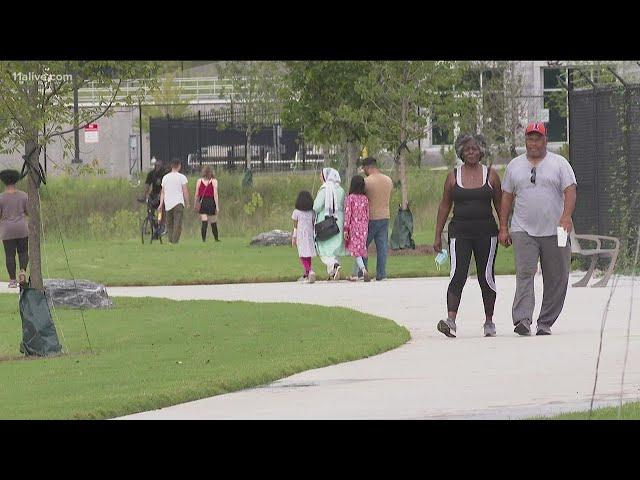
<point x="268" y="163"/>
<point x="199" y="90"/>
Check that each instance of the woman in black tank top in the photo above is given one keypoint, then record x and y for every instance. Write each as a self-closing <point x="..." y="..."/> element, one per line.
<point x="470" y="189"/>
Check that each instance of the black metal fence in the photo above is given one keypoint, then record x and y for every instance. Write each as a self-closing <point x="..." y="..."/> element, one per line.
<point x="220" y="139"/>
<point x="604" y="136"/>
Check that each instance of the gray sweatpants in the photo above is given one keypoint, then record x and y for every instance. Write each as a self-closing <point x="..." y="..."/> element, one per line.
<point x="555" y="262"/>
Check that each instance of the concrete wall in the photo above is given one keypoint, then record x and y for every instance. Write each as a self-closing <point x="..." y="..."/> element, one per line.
<point x="200" y="69"/>
<point x="111" y="151"/>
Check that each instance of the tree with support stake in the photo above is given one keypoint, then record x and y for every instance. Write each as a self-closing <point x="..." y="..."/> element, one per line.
<point x="392" y="91"/>
<point x="34" y="99"/>
<point x="321" y="99"/>
<point x="254" y="94"/>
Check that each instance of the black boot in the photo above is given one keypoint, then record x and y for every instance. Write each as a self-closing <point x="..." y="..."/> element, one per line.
<point x="203" y="230"/>
<point x="214" y="230"/>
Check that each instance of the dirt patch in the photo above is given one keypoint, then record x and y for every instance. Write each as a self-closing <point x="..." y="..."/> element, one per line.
<point x="7" y="358"/>
<point x="420" y="250"/>
<point x="28" y="358"/>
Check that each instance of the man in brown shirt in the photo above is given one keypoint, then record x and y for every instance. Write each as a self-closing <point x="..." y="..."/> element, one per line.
<point x="378" y="187"/>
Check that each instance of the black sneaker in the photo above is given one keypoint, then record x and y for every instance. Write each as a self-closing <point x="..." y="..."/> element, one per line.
<point x="448" y="327"/>
<point x="542" y="332"/>
<point x="522" y="328"/>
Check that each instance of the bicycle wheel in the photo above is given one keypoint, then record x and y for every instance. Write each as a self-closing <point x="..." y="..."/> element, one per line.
<point x="146" y="230"/>
<point x="157" y="228"/>
<point x="154" y="229"/>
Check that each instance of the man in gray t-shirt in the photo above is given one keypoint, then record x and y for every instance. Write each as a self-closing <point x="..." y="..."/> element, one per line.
<point x="544" y="187"/>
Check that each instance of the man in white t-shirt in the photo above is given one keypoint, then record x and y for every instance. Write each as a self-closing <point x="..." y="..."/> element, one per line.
<point x="542" y="187"/>
<point x="175" y="197"/>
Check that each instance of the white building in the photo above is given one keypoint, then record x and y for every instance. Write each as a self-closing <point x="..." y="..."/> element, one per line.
<point x="543" y="84"/>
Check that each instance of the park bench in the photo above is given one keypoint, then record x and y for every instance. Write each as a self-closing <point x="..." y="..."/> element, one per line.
<point x="595" y="254"/>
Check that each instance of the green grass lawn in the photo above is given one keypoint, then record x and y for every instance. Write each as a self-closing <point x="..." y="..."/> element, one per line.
<point x="152" y="353"/>
<point x="128" y="262"/>
<point x="630" y="411"/>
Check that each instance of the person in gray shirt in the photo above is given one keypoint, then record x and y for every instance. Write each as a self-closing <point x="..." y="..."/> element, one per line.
<point x="544" y="187"/>
<point x="14" y="229"/>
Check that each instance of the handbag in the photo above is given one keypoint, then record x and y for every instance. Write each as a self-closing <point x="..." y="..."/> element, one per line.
<point x="327" y="228"/>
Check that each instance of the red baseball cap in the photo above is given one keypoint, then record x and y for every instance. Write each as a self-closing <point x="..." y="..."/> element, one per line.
<point x="537" y="127"/>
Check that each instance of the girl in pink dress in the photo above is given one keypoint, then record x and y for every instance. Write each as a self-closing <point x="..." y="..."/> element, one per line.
<point x="356" y="223"/>
<point x="303" y="234"/>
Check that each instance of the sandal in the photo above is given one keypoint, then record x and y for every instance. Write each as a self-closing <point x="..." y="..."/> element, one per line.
<point x="365" y="274"/>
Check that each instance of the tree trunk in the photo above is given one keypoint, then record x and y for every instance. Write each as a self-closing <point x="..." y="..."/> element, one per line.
<point x="76" y="133"/>
<point x="33" y="209"/>
<point x="402" y="162"/>
<point x="403" y="180"/>
<point x="396" y="167"/>
<point x="247" y="165"/>
<point x="352" y="160"/>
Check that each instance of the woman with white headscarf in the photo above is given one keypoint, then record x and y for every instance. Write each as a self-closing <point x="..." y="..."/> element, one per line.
<point x="330" y="202"/>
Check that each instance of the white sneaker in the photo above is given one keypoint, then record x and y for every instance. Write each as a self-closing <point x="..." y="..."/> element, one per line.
<point x="312" y="276"/>
<point x="489" y="329"/>
<point x="336" y="272"/>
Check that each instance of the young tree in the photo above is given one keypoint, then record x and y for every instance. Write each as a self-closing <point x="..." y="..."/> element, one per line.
<point x="167" y="99"/>
<point x="35" y="99"/>
<point x="254" y="94"/>
<point x="503" y="104"/>
<point x="392" y="91"/>
<point x="320" y="99"/>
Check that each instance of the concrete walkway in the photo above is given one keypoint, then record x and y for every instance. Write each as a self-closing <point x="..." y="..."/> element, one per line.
<point x="432" y="376"/>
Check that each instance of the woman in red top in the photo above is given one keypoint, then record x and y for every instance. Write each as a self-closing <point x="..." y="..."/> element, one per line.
<point x="206" y="202"/>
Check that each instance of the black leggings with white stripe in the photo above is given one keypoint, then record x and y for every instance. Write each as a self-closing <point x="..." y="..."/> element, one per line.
<point x="484" y="251"/>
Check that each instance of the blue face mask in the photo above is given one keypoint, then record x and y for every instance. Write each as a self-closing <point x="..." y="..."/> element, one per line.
<point x="441" y="258"/>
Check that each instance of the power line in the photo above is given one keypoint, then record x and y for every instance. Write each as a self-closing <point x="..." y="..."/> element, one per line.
<point x="68" y="265"/>
<point x="604" y="321"/>
<point x="626" y="352"/>
<point x="46" y="259"/>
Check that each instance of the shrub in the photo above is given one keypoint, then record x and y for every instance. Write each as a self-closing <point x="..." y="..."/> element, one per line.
<point x="254" y="204"/>
<point x="564" y="150"/>
<point x="88" y="207"/>
<point x="414" y="158"/>
<point x="449" y="156"/>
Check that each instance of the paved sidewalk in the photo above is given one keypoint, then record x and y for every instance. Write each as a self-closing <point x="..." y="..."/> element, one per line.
<point x="432" y="376"/>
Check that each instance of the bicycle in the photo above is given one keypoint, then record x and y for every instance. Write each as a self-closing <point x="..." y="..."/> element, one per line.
<point x="150" y="227"/>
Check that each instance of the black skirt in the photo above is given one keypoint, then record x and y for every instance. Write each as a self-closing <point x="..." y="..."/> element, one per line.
<point x="207" y="206"/>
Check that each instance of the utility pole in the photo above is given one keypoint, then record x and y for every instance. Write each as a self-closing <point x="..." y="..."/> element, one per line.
<point x="140" y="131"/>
<point x="76" y="133"/>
